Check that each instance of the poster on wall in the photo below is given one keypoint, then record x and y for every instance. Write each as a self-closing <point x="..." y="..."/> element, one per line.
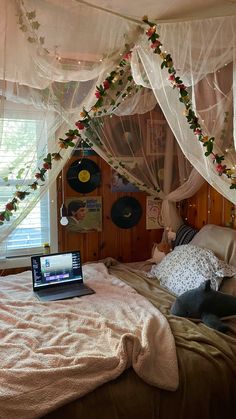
<point x="84" y="214"/>
<point x="153" y="213"/>
<point x="83" y="149"/>
<point x="121" y="184"/>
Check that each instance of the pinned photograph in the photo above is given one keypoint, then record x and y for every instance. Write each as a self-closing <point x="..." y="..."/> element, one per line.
<point x="84" y="214"/>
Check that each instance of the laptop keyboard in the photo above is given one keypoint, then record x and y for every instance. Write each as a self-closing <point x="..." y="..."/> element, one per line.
<point x="60" y="294"/>
<point x="61" y="289"/>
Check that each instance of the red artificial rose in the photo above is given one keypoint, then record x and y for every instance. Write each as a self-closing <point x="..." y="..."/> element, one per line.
<point x="220" y="168"/>
<point x="155" y="44"/>
<point x="38" y="175"/>
<point x="9" y="206"/>
<point x="97" y="94"/>
<point x="151" y="31"/>
<point x="2" y="218"/>
<point x="181" y="86"/>
<point x="79" y="125"/>
<point x="127" y="56"/>
<point x="47" y="166"/>
<point x="106" y="84"/>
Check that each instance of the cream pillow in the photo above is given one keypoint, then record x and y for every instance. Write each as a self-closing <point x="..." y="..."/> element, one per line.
<point x="228" y="286"/>
<point x="221" y="240"/>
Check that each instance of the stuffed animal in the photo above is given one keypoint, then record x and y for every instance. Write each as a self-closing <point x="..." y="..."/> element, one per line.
<point x="164" y="247"/>
<point x="206" y="304"/>
<point x="159" y="251"/>
<point x="171" y="235"/>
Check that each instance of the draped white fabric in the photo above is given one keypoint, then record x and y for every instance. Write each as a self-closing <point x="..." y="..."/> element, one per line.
<point x="203" y="53"/>
<point x="54" y="53"/>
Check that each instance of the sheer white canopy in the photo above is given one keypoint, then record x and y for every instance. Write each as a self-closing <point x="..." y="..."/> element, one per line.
<point x="53" y="56"/>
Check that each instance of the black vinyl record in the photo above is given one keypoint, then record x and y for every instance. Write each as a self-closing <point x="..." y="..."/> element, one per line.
<point x="126" y="212"/>
<point x="84" y="175"/>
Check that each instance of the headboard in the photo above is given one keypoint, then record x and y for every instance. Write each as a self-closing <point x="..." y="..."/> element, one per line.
<point x="221" y="240"/>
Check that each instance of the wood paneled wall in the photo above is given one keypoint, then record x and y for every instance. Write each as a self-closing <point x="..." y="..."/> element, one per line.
<point x="122" y="244"/>
<point x="207" y="206"/>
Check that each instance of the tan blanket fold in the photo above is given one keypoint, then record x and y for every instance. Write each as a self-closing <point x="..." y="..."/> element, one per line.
<point x="54" y="352"/>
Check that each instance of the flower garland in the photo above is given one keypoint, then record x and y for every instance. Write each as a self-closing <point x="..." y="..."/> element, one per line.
<point x="167" y="62"/>
<point x="113" y="81"/>
<point x="30" y="25"/>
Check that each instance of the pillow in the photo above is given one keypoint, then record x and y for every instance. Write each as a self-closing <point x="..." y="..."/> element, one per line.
<point x="187" y="266"/>
<point x="184" y="235"/>
<point x="221" y="240"/>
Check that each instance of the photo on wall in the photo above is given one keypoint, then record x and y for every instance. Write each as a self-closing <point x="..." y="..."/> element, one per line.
<point x="84" y="214"/>
<point x="153" y="213"/>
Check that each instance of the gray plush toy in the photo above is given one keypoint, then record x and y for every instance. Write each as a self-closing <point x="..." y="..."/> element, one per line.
<point x="205" y="304"/>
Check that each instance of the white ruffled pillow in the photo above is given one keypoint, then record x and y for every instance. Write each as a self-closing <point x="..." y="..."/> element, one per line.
<point x="187" y="266"/>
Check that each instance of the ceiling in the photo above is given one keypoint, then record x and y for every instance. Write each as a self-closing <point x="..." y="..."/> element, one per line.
<point x="168" y="9"/>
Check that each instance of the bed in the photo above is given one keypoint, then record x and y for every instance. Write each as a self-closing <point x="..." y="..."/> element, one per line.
<point x="122" y="355"/>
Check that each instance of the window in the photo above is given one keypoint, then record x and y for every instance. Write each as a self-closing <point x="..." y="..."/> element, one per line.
<point x="32" y="232"/>
<point x="24" y="141"/>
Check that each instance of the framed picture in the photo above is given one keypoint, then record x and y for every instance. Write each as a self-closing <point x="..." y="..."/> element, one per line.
<point x="156" y="137"/>
<point x="84" y="214"/>
<point x="153" y="213"/>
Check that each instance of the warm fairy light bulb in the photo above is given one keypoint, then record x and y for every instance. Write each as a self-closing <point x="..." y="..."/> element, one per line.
<point x="64" y="220"/>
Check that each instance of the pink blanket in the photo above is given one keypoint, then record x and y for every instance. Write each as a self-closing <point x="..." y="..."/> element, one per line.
<point x="54" y="352"/>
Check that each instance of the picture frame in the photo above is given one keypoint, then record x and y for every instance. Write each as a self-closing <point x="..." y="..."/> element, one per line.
<point x="156" y="136"/>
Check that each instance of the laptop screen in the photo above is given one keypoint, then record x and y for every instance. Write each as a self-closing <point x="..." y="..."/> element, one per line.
<point x="54" y="269"/>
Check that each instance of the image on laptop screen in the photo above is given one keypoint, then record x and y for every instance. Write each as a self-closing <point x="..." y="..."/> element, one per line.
<point x="55" y="269"/>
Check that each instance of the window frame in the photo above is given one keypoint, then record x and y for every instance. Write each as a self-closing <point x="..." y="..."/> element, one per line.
<point x="15" y="261"/>
<point x="12" y="260"/>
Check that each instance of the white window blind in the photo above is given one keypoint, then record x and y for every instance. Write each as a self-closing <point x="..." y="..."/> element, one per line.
<point x="28" y="134"/>
<point x="32" y="232"/>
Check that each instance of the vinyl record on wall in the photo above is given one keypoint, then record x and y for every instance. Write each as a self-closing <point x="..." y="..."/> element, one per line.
<point x="84" y="176"/>
<point x="126" y="212"/>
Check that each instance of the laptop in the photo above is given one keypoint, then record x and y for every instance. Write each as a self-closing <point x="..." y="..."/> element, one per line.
<point x="58" y="276"/>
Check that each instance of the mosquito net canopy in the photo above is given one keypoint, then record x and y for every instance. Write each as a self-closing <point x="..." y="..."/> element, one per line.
<point x="154" y="96"/>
